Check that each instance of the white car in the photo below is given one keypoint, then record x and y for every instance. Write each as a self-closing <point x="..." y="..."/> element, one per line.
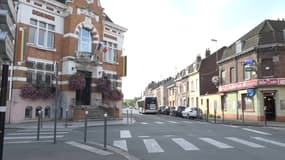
<point x="192" y="112"/>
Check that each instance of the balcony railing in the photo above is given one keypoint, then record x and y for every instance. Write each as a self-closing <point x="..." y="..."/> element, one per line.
<point x="6" y="47"/>
<point x="6" y="22"/>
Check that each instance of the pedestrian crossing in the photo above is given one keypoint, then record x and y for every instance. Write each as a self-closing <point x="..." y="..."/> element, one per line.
<point x="30" y="135"/>
<point x="161" y="144"/>
<point x="170" y="122"/>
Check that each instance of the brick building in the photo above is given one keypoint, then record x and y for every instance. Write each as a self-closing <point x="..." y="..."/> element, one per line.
<point x="252" y="74"/>
<point x="74" y="39"/>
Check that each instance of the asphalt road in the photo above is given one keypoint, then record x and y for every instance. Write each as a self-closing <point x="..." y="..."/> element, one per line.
<point x="153" y="137"/>
<point x="160" y="137"/>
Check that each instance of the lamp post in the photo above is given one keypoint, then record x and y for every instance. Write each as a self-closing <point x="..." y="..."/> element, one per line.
<point x="56" y="100"/>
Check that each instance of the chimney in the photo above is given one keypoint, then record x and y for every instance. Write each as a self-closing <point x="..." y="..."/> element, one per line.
<point x="208" y="52"/>
<point x="198" y="58"/>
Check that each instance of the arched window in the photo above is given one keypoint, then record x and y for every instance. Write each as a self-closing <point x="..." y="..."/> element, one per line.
<point x="39" y="108"/>
<point x="47" y="112"/>
<point x="85" y="41"/>
<point x="28" y="112"/>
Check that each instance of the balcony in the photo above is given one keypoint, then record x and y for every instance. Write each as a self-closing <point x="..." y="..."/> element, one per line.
<point x="6" y="47"/>
<point x="6" y="22"/>
<point x="87" y="58"/>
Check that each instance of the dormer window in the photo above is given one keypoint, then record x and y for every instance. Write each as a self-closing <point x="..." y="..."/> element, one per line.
<point x="85" y="41"/>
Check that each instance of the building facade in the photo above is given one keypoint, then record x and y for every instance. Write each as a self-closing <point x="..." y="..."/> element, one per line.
<point x="60" y="43"/>
<point x="252" y="78"/>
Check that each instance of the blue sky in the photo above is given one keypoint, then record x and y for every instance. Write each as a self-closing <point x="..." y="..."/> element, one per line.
<point x="165" y="36"/>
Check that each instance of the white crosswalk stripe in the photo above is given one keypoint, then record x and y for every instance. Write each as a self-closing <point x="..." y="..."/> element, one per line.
<point x="244" y="142"/>
<point x="269" y="141"/>
<point x="144" y="123"/>
<point x="30" y="135"/>
<point x="216" y="143"/>
<point x="172" y="122"/>
<point x="187" y="146"/>
<point x="256" y="131"/>
<point x="158" y="122"/>
<point x="125" y="134"/>
<point x="122" y="144"/>
<point x="152" y="146"/>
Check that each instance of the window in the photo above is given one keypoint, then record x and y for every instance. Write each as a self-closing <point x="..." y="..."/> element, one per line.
<point x="40" y="77"/>
<point x="31" y="77"/>
<point x="192" y="86"/>
<point x="233" y="77"/>
<point x="47" y="112"/>
<point x="85" y="41"/>
<point x="111" y="55"/>
<point x="223" y="77"/>
<point x="28" y="112"/>
<point x="48" y="79"/>
<point x="247" y="103"/>
<point x="197" y="85"/>
<point x="41" y="34"/>
<point x="39" y="108"/>
<point x="39" y="72"/>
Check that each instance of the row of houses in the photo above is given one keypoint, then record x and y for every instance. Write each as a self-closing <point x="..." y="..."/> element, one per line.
<point x="243" y="80"/>
<point x="66" y="51"/>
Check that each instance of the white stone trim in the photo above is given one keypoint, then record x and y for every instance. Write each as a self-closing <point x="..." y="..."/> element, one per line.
<point x="21" y="79"/>
<point x="72" y="35"/>
<point x="40" y="60"/>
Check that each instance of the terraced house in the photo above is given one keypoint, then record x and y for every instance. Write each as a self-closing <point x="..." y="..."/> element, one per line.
<point x="66" y="52"/>
<point x="252" y="75"/>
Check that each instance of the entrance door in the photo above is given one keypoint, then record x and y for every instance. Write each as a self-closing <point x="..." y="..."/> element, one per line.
<point x="83" y="96"/>
<point x="269" y="102"/>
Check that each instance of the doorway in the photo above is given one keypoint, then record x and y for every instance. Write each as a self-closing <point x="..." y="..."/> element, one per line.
<point x="270" y="110"/>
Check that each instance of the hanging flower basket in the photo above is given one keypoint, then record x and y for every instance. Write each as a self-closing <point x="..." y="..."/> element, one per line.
<point x="77" y="81"/>
<point x="37" y="91"/>
<point x="103" y="85"/>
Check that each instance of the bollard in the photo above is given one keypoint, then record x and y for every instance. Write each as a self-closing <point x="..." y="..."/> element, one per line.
<point x="223" y="116"/>
<point x="215" y="118"/>
<point x="66" y="117"/>
<point x="131" y="116"/>
<point x="105" y="131"/>
<point x="85" y="126"/>
<point x="207" y="115"/>
<point x="42" y="117"/>
<point x="127" y="116"/>
<point x="243" y="116"/>
<point x="265" y="120"/>
<point x="39" y="125"/>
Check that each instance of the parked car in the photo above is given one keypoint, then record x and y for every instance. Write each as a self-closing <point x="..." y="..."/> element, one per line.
<point x="160" y="109"/>
<point x="165" y="110"/>
<point x="192" y="112"/>
<point x="179" y="111"/>
<point x="172" y="111"/>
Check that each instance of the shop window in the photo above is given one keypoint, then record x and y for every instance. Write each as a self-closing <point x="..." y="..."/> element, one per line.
<point x="39" y="108"/>
<point x="247" y="103"/>
<point x="47" y="112"/>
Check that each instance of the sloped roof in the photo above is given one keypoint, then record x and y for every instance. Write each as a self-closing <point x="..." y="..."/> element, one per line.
<point x="61" y="1"/>
<point x="267" y="32"/>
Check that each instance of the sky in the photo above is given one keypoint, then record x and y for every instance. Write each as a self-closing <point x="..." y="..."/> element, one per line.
<point x="165" y="36"/>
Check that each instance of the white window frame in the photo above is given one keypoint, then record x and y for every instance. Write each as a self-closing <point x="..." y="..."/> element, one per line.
<point x="48" y="28"/>
<point x="85" y="40"/>
<point x="35" y="71"/>
<point x="111" y="56"/>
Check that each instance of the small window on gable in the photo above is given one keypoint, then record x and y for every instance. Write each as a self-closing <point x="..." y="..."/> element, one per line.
<point x="238" y="47"/>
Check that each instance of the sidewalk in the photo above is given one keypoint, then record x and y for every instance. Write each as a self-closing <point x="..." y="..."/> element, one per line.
<point x="70" y="124"/>
<point x="248" y="123"/>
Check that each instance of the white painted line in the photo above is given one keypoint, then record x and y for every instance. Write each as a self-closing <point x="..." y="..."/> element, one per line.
<point x="158" y="122"/>
<point x="152" y="146"/>
<point x="244" y="142"/>
<point x="231" y="126"/>
<point x="269" y="141"/>
<point x="32" y="137"/>
<point x="172" y="122"/>
<point x="34" y="133"/>
<point x="216" y="143"/>
<point x="187" y="146"/>
<point x="26" y="142"/>
<point x="143" y="136"/>
<point x="125" y="134"/>
<point x="122" y="144"/>
<point x="89" y="148"/>
<point x="144" y="123"/>
<point x="255" y="131"/>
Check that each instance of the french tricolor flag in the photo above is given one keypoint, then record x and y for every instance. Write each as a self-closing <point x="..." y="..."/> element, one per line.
<point x="102" y="48"/>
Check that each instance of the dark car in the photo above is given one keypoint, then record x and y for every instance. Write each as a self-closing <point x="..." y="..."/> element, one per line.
<point x="179" y="110"/>
<point x="165" y="110"/>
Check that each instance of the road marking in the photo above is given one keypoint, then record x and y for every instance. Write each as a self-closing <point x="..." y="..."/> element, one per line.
<point x="255" y="131"/>
<point x="231" y="126"/>
<point x="89" y="148"/>
<point x="244" y="142"/>
<point x="31" y="137"/>
<point x="158" y="122"/>
<point x="143" y="136"/>
<point x="187" y="146"/>
<point x="122" y="144"/>
<point x="34" y="133"/>
<point x="172" y="122"/>
<point x="152" y="146"/>
<point x="269" y="141"/>
<point x="125" y="134"/>
<point x="144" y="123"/>
<point x="216" y="143"/>
<point x="44" y="130"/>
<point x="26" y="142"/>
